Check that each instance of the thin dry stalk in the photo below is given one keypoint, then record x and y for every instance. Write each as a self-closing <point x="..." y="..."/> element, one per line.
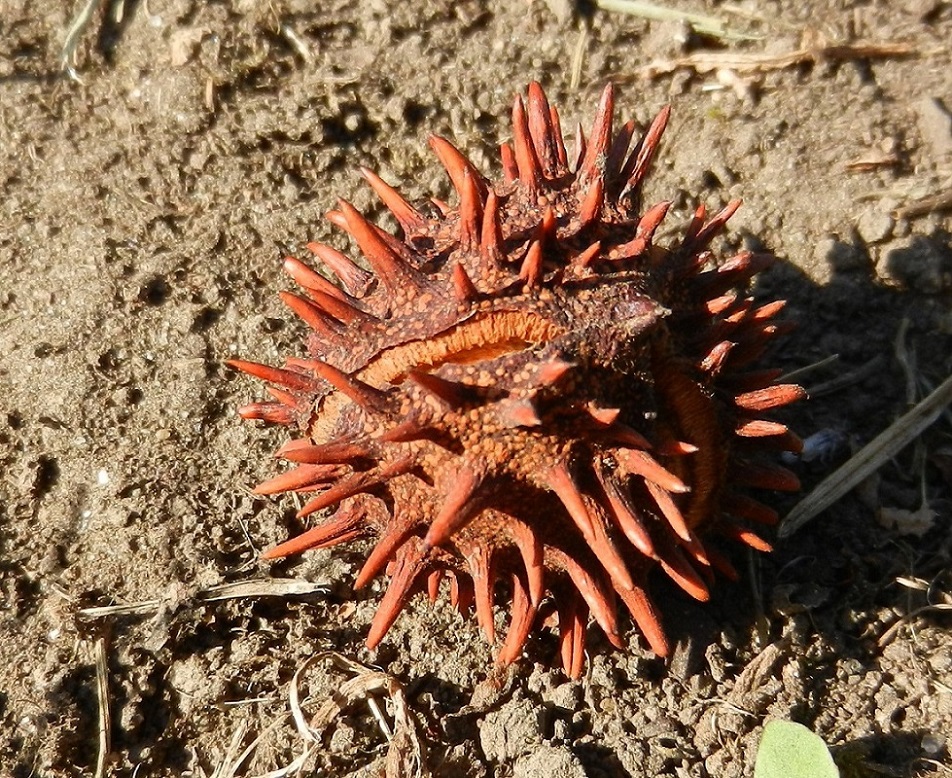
<point x="102" y="696"/>
<point x="700" y="23"/>
<point x="871" y="368"/>
<point x="744" y="62"/>
<point x="941" y="201"/>
<point x="869" y="459"/>
<point x="261" y="587"/>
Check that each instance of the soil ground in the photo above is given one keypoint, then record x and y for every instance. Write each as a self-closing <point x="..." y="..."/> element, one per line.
<point x="143" y="215"/>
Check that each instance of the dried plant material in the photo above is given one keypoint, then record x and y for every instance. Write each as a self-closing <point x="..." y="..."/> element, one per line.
<point x="184" y="43"/>
<point x="76" y="29"/>
<point x="809" y="54"/>
<point x="940" y="600"/>
<point x="743" y="88"/>
<point x="869" y="459"/>
<point x="796" y="375"/>
<point x="405" y="756"/>
<point x="699" y="23"/>
<point x="102" y="696"/>
<point x="905" y="522"/>
<point x="941" y="201"/>
<point x="261" y="587"/>
<point x="748" y="689"/>
<point x="844" y="380"/>
<point x="872" y="159"/>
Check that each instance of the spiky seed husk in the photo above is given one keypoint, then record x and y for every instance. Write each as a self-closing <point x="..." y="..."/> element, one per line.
<point x="527" y="395"/>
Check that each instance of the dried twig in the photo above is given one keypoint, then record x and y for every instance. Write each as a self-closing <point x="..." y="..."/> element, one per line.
<point x="942" y="201"/>
<point x="743" y="62"/>
<point x="71" y="43"/>
<point x="102" y="696"/>
<point x="872" y="456"/>
<point x="700" y="23"/>
<point x="262" y="587"/>
<point x="874" y="366"/>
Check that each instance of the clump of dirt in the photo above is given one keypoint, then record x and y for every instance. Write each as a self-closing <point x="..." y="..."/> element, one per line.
<point x="144" y="214"/>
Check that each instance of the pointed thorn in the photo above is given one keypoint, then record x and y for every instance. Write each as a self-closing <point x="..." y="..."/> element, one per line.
<point x="530" y="174"/>
<point x="490" y="241"/>
<point x="579" y="151"/>
<point x="459" y="507"/>
<point x="591" y="207"/>
<point x="405" y="432"/>
<point x="410" y="219"/>
<point x="293" y="401"/>
<point x="640" y="159"/>
<point x="603" y="417"/>
<point x="531" y="271"/>
<point x="684" y="575"/>
<point x="626" y="515"/>
<point x="312" y="315"/>
<point x="510" y="170"/>
<point x="551" y="372"/>
<point x="759" y="428"/>
<point x="464" y="289"/>
<point x="355" y="279"/>
<point x="745" y="536"/>
<point x="308" y="279"/>
<point x="541" y="130"/>
<point x="354" y="484"/>
<point x="704" y="237"/>
<point x="365" y="395"/>
<point x="676" y="448"/>
<point x="768" y="311"/>
<point x="521" y="615"/>
<point x="572" y="618"/>
<point x="765" y="476"/>
<point x="716" y="358"/>
<point x="288" y="378"/>
<point x="410" y="562"/>
<point x="530" y="548"/>
<point x="771" y="397"/>
<point x="588" y="257"/>
<point x="641" y="463"/>
<point x="645" y="614"/>
<point x="301" y="477"/>
<point x="392" y="268"/>
<point x="593" y="164"/>
<point x="345" y="525"/>
<point x="453" y="393"/>
<point x="617" y="154"/>
<point x="433" y="581"/>
<point x="384" y="551"/>
<point x="560" y="481"/>
<point x="270" y="413"/>
<point x="744" y="507"/>
<point x="669" y="510"/>
<point x="720" y="304"/>
<point x="457" y="166"/>
<point x="517" y="412"/>
<point x="470" y="212"/>
<point x="481" y="567"/>
<point x="596" y="594"/>
<point x="563" y="162"/>
<point x="336" y="452"/>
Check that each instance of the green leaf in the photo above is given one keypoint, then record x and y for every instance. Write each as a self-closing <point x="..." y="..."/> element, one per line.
<point x="790" y="750"/>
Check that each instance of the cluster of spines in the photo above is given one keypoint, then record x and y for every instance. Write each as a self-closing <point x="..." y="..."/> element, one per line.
<point x="604" y="180"/>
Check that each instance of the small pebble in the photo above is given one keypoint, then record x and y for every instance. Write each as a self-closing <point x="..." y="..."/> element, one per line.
<point x="549" y="762"/>
<point x="874" y="225"/>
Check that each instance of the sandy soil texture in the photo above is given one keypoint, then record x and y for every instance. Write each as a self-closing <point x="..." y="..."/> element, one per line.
<point x="144" y="212"/>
